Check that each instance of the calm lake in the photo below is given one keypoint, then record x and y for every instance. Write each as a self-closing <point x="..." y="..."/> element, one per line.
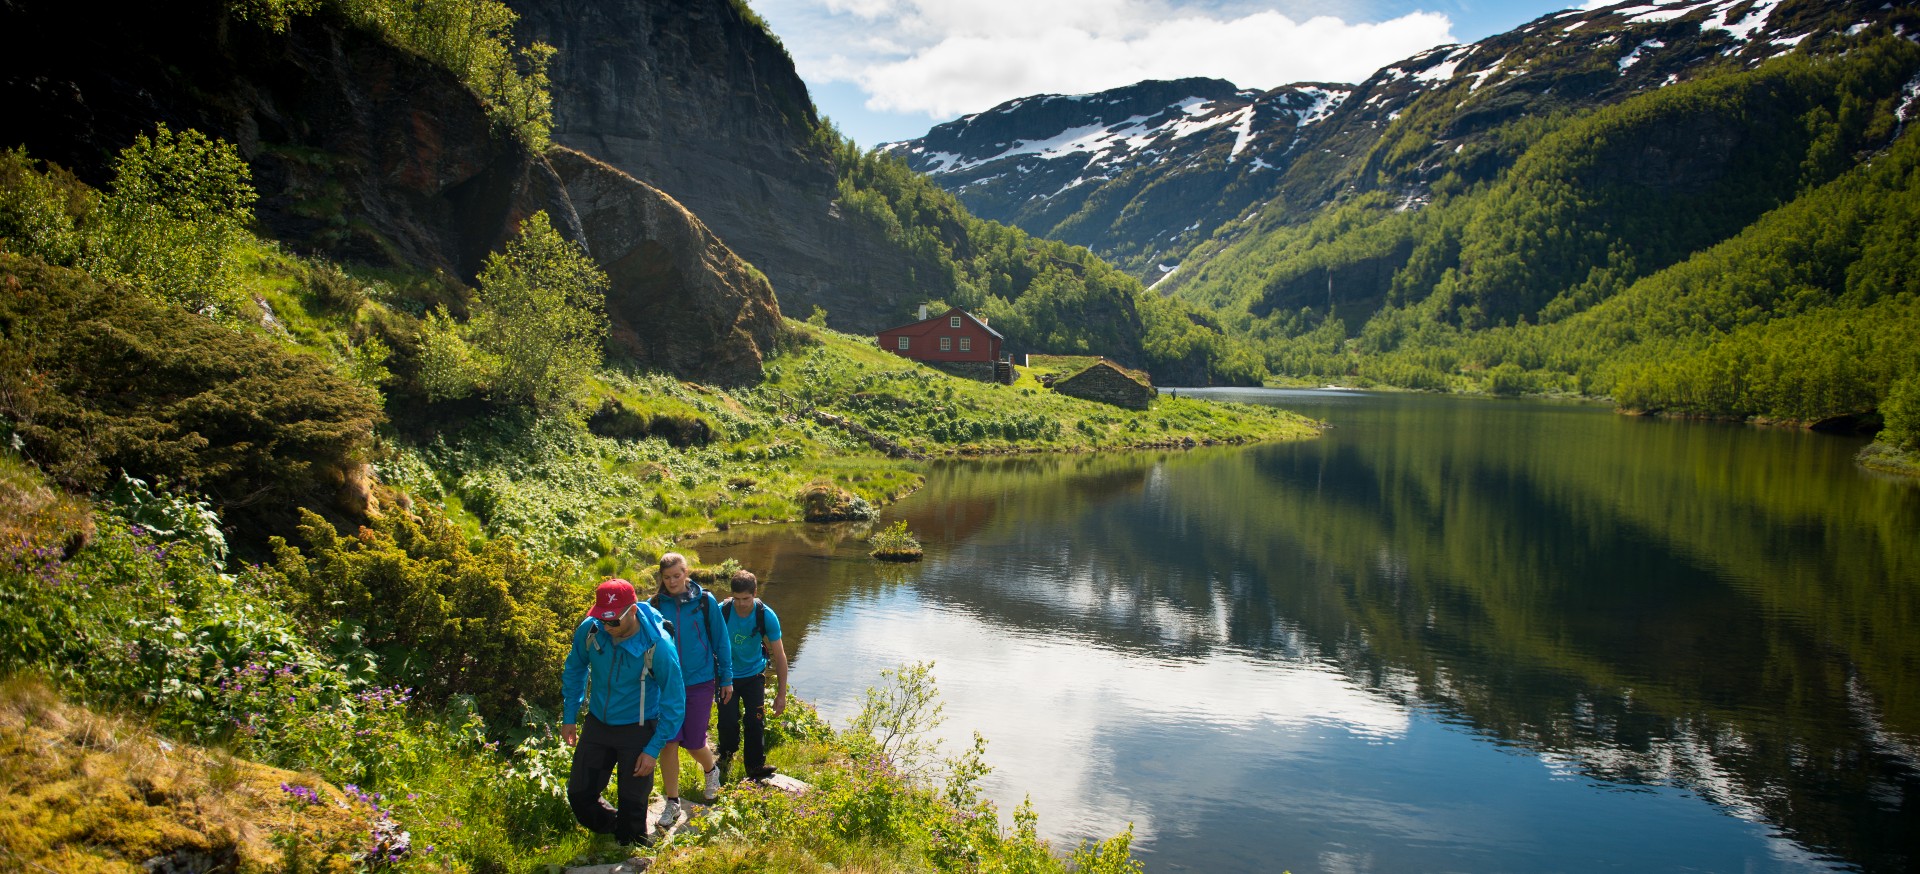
<point x="1450" y="635"/>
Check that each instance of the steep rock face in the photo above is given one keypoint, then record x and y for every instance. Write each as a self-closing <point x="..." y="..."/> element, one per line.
<point x="358" y="150"/>
<point x="699" y="101"/>
<point x="678" y="298"/>
<point x="367" y="153"/>
<point x="1137" y="174"/>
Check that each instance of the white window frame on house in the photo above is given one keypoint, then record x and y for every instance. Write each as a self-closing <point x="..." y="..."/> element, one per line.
<point x="953" y="321"/>
<point x="966" y="344"/>
<point x="946" y="344"/>
<point x="904" y="343"/>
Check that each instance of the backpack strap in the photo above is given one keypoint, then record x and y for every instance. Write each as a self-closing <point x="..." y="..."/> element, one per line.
<point x="759" y="615"/>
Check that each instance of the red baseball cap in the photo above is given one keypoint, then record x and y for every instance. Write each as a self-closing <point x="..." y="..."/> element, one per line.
<point x="612" y="599"/>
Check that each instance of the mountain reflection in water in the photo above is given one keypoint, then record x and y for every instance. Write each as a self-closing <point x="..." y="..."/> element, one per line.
<point x="1448" y="635"/>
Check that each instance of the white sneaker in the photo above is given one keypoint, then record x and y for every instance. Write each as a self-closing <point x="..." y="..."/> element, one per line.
<point x="713" y="782"/>
<point x="669" y="813"/>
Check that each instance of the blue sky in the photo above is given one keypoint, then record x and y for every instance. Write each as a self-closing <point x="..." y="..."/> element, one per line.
<point x="890" y="69"/>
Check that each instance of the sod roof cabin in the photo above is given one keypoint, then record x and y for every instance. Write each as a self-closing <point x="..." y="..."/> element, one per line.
<point x="1109" y="383"/>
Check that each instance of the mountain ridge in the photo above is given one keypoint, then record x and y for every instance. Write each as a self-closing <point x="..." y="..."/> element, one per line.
<point x="1599" y="56"/>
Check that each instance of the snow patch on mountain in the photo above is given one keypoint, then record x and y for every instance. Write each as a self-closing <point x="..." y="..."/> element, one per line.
<point x="1242" y="132"/>
<point x="1324" y="103"/>
<point x="1742" y="28"/>
<point x="1438" y="72"/>
<point x="1633" y="57"/>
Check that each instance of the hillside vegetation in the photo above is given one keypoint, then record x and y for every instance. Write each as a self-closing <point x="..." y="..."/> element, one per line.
<point x="1736" y="245"/>
<point x="287" y="512"/>
<point x="1044" y="296"/>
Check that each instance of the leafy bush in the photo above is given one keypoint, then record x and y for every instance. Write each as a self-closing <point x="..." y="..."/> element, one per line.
<point x="176" y="216"/>
<point x="170" y="518"/>
<point x="534" y="339"/>
<point x="1901" y="410"/>
<point x="144" y="623"/>
<point x="894" y="542"/>
<point x="98" y="381"/>
<point x="40" y="209"/>
<point x="447" y="619"/>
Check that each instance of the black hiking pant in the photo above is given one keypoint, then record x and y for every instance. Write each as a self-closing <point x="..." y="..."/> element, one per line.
<point x="601" y="750"/>
<point x="750" y="695"/>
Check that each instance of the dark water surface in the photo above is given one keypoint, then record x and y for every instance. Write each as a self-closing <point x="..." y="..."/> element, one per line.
<point x="1450" y="635"/>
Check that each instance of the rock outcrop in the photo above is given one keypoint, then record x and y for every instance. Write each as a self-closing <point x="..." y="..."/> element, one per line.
<point x="366" y="153"/>
<point x="678" y="298"/>
<point x="696" y="99"/>
<point x="359" y="150"/>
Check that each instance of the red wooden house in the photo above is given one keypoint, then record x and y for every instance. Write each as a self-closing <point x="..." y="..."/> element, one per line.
<point x="952" y="336"/>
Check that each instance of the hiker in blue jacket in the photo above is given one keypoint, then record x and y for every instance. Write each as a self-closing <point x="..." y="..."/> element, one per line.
<point x="635" y="703"/>
<point x="754" y="632"/>
<point x="706" y="661"/>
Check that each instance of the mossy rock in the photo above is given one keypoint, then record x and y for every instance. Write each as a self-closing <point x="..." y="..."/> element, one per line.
<point x="901" y="555"/>
<point x="825" y="502"/>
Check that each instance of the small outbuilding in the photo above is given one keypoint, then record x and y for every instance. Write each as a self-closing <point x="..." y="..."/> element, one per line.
<point x="1109" y="383"/>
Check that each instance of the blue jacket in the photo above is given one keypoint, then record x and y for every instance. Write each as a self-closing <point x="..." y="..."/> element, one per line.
<point x="618" y="685"/>
<point x="749" y="651"/>
<point x="697" y="626"/>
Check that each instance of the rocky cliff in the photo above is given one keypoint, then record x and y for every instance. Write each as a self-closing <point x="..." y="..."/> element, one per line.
<point x="358" y="149"/>
<point x="697" y="99"/>
<point x="678" y="298"/>
<point x="366" y="153"/>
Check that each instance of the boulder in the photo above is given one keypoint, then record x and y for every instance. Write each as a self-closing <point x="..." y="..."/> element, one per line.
<point x="678" y="298"/>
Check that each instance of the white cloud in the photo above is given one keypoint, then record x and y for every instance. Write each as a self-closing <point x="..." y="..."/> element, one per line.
<point x="997" y="681"/>
<point x="947" y="57"/>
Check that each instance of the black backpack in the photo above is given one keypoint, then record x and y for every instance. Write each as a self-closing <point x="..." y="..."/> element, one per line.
<point x="759" y="618"/>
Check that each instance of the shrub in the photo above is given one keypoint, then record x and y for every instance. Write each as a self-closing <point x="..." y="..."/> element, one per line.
<point x="895" y="543"/>
<point x="178" y="211"/>
<point x="98" y="381"/>
<point x="540" y="317"/>
<point x="1901" y="411"/>
<point x="40" y="211"/>
<point x="447" y="619"/>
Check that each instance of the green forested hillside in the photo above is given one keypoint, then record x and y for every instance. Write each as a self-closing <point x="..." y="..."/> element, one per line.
<point x="1045" y="296"/>
<point x="1736" y="245"/>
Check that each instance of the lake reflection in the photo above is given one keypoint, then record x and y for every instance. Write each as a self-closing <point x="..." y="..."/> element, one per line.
<point x="1448" y="635"/>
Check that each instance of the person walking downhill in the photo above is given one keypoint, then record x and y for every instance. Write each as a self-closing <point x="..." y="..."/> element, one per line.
<point x="754" y="631"/>
<point x="700" y="635"/>
<point x="635" y="701"/>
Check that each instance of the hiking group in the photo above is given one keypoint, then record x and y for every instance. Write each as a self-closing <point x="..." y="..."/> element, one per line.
<point x="650" y="673"/>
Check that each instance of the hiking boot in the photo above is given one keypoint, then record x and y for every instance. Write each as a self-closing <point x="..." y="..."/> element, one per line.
<point x="713" y="783"/>
<point x="669" y="813"/>
<point x="634" y="844"/>
<point x="762" y="774"/>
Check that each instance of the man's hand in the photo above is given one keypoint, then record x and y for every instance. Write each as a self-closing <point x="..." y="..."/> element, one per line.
<point x="644" y="766"/>
<point x="726" y="694"/>
<point x="570" y="734"/>
<point x="780" y="702"/>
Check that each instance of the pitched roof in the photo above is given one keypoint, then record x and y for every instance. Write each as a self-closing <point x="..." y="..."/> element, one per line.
<point x="941" y="317"/>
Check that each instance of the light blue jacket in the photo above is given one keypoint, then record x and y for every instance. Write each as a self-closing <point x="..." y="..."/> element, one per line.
<point x="624" y="691"/>
<point x="697" y="627"/>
